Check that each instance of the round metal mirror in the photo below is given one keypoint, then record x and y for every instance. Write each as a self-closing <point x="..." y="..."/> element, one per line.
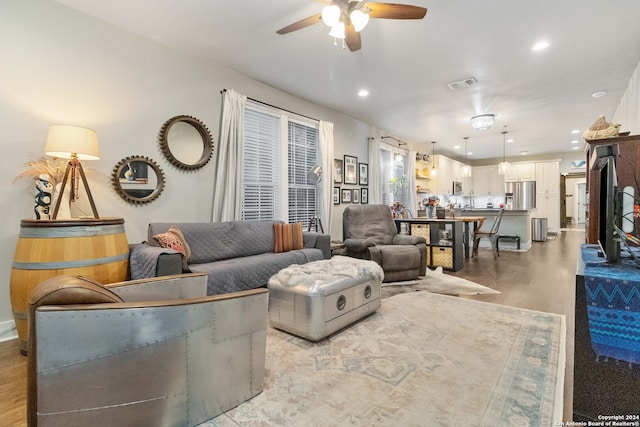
<point x="186" y="142"/>
<point x="138" y="179"/>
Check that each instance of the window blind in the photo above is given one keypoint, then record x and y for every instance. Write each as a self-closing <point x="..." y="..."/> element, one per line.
<point x="261" y="166"/>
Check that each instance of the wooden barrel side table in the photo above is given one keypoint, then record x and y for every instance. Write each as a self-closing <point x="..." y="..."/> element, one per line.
<point x="93" y="248"/>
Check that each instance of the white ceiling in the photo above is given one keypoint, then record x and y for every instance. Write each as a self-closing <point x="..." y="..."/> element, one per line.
<point x="406" y="65"/>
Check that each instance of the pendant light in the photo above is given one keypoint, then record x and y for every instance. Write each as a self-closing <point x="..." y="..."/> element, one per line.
<point x="503" y="167"/>
<point x="434" y="172"/>
<point x="466" y="169"/>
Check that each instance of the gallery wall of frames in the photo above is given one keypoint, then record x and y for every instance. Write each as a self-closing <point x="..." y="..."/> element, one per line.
<point x="351" y="180"/>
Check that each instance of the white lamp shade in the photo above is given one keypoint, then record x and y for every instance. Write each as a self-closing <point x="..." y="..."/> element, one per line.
<point x="466" y="171"/>
<point x="337" y="31"/>
<point x="330" y="15"/>
<point x="63" y="141"/>
<point x="359" y="20"/>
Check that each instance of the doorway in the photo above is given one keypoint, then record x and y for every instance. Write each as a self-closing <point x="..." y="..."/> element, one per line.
<point x="572" y="197"/>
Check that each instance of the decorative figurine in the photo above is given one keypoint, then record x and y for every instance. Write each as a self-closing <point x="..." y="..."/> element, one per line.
<point x="44" y="188"/>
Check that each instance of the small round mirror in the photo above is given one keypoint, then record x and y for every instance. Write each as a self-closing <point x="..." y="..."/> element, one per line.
<point x="186" y="142"/>
<point x="138" y="179"/>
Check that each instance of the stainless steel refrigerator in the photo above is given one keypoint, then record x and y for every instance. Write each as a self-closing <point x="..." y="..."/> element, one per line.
<point x="520" y="195"/>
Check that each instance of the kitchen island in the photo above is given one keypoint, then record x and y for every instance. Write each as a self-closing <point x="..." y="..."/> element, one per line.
<point x="514" y="223"/>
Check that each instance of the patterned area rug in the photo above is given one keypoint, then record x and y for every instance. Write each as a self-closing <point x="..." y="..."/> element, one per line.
<point x="438" y="282"/>
<point x="422" y="359"/>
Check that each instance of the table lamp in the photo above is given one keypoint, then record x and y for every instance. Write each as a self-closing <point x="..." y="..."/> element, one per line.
<point x="73" y="143"/>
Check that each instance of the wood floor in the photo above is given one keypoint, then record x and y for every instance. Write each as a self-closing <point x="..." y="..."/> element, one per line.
<point x="541" y="279"/>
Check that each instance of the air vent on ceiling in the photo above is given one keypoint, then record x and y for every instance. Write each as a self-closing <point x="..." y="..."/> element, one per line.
<point x="461" y="84"/>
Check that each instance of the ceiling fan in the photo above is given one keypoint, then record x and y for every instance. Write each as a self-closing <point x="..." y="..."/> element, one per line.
<point x="348" y="17"/>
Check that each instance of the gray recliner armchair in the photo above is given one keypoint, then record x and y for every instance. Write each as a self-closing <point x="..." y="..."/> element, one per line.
<point x="369" y="232"/>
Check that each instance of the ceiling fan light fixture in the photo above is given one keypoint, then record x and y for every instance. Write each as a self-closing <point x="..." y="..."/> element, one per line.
<point x="483" y="121"/>
<point x="359" y="19"/>
<point x="337" y="31"/>
<point x="331" y="15"/>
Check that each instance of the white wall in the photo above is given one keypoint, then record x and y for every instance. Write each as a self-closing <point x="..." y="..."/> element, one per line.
<point x="628" y="111"/>
<point x="61" y="67"/>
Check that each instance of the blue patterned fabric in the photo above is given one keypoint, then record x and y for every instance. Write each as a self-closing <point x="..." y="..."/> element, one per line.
<point x="613" y="306"/>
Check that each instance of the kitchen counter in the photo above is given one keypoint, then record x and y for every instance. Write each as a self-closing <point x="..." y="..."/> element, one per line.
<point x="515" y="222"/>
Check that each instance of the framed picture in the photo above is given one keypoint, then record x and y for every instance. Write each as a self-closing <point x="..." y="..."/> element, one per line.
<point x="363" y="174"/>
<point x="356" y="196"/>
<point x="336" y="195"/>
<point x="337" y="171"/>
<point x="364" y="196"/>
<point x="346" y="195"/>
<point x="578" y="164"/>
<point x="350" y="170"/>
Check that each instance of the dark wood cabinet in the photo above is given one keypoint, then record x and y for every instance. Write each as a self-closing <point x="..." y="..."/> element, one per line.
<point x="627" y="166"/>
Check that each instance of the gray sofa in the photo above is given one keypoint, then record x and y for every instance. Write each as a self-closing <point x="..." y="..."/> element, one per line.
<point x="236" y="255"/>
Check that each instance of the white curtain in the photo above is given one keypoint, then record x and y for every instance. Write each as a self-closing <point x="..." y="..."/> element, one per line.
<point x="227" y="187"/>
<point x="375" y="184"/>
<point x="413" y="199"/>
<point x="325" y="135"/>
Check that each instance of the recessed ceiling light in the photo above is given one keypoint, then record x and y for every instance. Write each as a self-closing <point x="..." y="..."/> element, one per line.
<point x="541" y="45"/>
<point x="522" y="153"/>
<point x="575" y="131"/>
<point x="469" y="153"/>
<point x="575" y="141"/>
<point x="457" y="147"/>
<point x="599" y="94"/>
<point x="575" y="148"/>
<point x="363" y="92"/>
<point x="509" y="140"/>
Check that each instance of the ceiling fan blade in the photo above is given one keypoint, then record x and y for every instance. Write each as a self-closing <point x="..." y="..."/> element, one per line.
<point x="395" y="11"/>
<point x="352" y="38"/>
<point x="303" y="23"/>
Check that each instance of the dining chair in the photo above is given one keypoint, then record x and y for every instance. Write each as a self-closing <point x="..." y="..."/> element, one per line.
<point x="491" y="234"/>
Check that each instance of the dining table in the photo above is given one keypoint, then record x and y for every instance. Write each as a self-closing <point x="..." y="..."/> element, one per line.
<point x="467" y="238"/>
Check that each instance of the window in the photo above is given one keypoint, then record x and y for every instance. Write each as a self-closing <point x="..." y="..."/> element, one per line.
<point x="261" y="166"/>
<point x="273" y="138"/>
<point x="395" y="181"/>
<point x="303" y="155"/>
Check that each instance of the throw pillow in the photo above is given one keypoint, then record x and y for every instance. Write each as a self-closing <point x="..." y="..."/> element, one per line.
<point x="288" y="237"/>
<point x="174" y="239"/>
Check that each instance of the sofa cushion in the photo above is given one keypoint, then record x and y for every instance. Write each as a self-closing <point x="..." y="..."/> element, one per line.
<point x="214" y="241"/>
<point x="174" y="239"/>
<point x="235" y="274"/>
<point x="287" y="237"/>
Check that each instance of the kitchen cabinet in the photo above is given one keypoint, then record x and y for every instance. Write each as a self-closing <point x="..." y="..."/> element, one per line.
<point x="487" y="181"/>
<point x="548" y="206"/>
<point x="547" y="177"/>
<point x="521" y="172"/>
<point x="548" y="194"/>
<point x="444" y="175"/>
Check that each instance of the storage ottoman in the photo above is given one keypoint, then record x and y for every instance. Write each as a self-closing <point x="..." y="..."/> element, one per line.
<point x="317" y="299"/>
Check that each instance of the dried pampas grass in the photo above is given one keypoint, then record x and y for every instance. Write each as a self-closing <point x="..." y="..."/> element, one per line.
<point x="55" y="169"/>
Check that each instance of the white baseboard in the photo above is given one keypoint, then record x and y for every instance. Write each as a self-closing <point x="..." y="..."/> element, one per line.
<point x="8" y="331"/>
